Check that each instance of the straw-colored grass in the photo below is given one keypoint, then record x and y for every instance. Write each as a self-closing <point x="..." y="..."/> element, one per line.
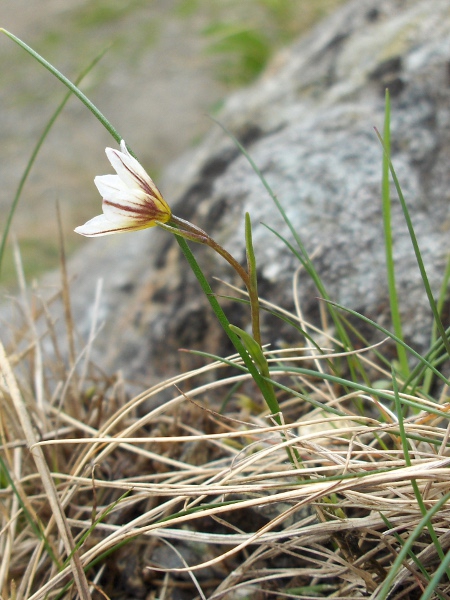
<point x="182" y="498"/>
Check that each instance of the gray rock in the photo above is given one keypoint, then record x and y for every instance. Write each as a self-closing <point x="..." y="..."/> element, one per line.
<point x="308" y="125"/>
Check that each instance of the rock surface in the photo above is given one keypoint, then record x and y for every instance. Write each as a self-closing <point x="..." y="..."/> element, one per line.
<point x="308" y="125"/>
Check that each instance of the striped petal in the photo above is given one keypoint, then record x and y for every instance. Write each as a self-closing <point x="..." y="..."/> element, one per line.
<point x="127" y="168"/>
<point x="101" y="225"/>
<point x="131" y="200"/>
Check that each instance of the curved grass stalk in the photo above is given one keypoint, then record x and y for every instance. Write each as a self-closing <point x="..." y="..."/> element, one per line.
<point x="71" y="86"/>
<point x="34" y="154"/>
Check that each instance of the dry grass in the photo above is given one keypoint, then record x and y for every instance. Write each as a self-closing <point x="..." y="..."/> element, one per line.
<point x="175" y="500"/>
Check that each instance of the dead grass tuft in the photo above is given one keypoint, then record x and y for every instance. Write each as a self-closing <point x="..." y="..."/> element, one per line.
<point x="183" y="502"/>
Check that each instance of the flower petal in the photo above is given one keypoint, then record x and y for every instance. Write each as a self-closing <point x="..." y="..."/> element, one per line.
<point x="107" y="184"/>
<point x="101" y="225"/>
<point x="131" y="171"/>
<point x="131" y="201"/>
<point x="131" y="207"/>
<point x="112" y="188"/>
<point x="127" y="168"/>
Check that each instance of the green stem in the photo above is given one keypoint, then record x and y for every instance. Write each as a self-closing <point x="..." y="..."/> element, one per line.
<point x="186" y="230"/>
<point x="417" y="252"/>
<point x="221" y="317"/>
<point x="262" y="380"/>
<point x="253" y="281"/>
<point x="189" y="231"/>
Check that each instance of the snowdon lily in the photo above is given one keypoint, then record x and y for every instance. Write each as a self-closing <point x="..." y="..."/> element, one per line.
<point x="131" y="200"/>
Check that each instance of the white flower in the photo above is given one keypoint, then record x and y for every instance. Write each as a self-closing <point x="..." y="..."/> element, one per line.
<point x="131" y="200"/>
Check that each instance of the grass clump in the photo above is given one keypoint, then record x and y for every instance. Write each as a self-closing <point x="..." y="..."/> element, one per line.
<point x="324" y="474"/>
<point x="244" y="45"/>
<point x="190" y="502"/>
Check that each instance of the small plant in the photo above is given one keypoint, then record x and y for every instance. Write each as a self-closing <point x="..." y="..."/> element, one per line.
<point x="244" y="51"/>
<point x="337" y="487"/>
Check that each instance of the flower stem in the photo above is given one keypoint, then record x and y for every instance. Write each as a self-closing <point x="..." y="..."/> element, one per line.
<point x="185" y="229"/>
<point x="192" y="232"/>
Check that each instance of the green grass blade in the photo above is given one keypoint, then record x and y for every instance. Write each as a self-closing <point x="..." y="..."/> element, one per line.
<point x="436" y="355"/>
<point x="251" y="259"/>
<point x="411" y="554"/>
<point x="408" y="463"/>
<point x="315" y="403"/>
<point x="440" y="305"/>
<point x="36" y="527"/>
<point x="353" y="362"/>
<point x="388" y="243"/>
<point x="72" y="87"/>
<point x="440" y="572"/>
<point x="34" y="154"/>
<point x="388" y="333"/>
<point x="99" y="519"/>
<point x="252" y="286"/>
<point x="418" y="254"/>
<point x="348" y="383"/>
<point x="385" y="589"/>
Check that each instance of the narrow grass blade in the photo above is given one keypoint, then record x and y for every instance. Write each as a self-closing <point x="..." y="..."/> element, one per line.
<point x="252" y="280"/>
<point x="88" y="532"/>
<point x="408" y="463"/>
<point x="438" y="575"/>
<point x="440" y="305"/>
<point x="419" y="357"/>
<point x="418" y="254"/>
<point x="353" y="363"/>
<point x="74" y="89"/>
<point x="388" y="243"/>
<point x="311" y="401"/>
<point x="34" y="154"/>
<point x="348" y="383"/>
<point x="435" y="356"/>
<point x="411" y="554"/>
<point x="385" y="589"/>
<point x="251" y="259"/>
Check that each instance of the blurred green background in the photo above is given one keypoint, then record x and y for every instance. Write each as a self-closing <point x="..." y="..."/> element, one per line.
<point x="168" y="65"/>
